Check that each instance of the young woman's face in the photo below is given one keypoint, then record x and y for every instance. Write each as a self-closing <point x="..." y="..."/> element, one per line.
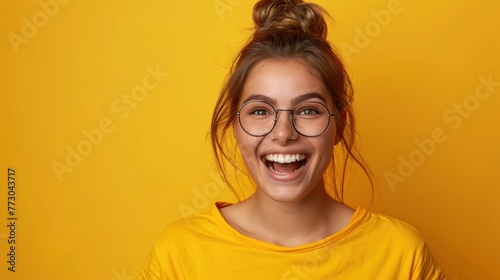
<point x="284" y="84"/>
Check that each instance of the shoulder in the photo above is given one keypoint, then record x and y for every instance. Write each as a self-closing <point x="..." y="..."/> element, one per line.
<point x="189" y="232"/>
<point x="385" y="233"/>
<point x="185" y="228"/>
<point x="408" y="247"/>
<point x="394" y="228"/>
<point x="394" y="249"/>
<point x="177" y="243"/>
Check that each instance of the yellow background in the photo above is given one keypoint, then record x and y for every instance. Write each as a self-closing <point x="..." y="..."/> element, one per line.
<point x="72" y="71"/>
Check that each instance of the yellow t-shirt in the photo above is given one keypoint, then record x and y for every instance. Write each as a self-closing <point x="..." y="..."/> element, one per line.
<point x="372" y="246"/>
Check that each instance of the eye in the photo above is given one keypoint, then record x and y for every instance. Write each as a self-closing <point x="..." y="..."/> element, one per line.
<point x="259" y="112"/>
<point x="308" y="111"/>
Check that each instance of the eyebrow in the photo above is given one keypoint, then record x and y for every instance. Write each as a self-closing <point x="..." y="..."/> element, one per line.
<point x="298" y="99"/>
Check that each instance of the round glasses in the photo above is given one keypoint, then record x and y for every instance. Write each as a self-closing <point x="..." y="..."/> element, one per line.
<point x="258" y="118"/>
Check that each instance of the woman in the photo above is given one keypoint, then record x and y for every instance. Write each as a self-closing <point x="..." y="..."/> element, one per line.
<point x="287" y="103"/>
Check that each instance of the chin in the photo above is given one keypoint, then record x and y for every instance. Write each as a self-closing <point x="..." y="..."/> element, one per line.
<point x="287" y="191"/>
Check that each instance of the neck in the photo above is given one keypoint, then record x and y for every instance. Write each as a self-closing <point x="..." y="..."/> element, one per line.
<point x="293" y="223"/>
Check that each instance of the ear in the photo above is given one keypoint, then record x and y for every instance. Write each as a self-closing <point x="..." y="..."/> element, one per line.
<point x="340" y="121"/>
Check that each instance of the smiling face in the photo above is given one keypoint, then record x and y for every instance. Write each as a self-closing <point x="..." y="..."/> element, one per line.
<point x="285" y="165"/>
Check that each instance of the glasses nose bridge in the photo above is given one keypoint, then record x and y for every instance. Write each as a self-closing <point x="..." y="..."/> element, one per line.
<point x="283" y="110"/>
<point x="291" y="118"/>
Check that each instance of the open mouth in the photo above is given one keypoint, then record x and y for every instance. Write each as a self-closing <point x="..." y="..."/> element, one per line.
<point x="283" y="164"/>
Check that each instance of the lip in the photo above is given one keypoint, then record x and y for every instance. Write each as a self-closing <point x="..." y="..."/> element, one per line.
<point x="285" y="177"/>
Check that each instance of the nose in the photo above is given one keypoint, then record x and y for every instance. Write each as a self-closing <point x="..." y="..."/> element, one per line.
<point x="283" y="130"/>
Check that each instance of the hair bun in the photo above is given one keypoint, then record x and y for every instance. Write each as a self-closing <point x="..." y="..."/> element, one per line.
<point x="271" y="16"/>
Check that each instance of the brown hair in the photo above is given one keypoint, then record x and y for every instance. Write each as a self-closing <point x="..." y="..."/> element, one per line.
<point x="289" y="29"/>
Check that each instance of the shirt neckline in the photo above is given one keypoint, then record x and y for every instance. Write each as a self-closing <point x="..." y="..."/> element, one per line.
<point x="356" y="219"/>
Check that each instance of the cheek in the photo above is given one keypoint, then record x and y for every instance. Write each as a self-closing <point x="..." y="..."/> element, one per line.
<point x="248" y="152"/>
<point x="327" y="143"/>
<point x="247" y="144"/>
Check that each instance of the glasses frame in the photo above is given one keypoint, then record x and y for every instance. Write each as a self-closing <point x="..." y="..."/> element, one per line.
<point x="292" y="117"/>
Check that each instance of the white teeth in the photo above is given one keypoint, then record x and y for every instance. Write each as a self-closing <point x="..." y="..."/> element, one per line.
<point x="288" y="158"/>
<point x="285" y="158"/>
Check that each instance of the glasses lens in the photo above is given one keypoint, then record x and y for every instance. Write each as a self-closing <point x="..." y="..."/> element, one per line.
<point x="257" y="118"/>
<point x="311" y="118"/>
